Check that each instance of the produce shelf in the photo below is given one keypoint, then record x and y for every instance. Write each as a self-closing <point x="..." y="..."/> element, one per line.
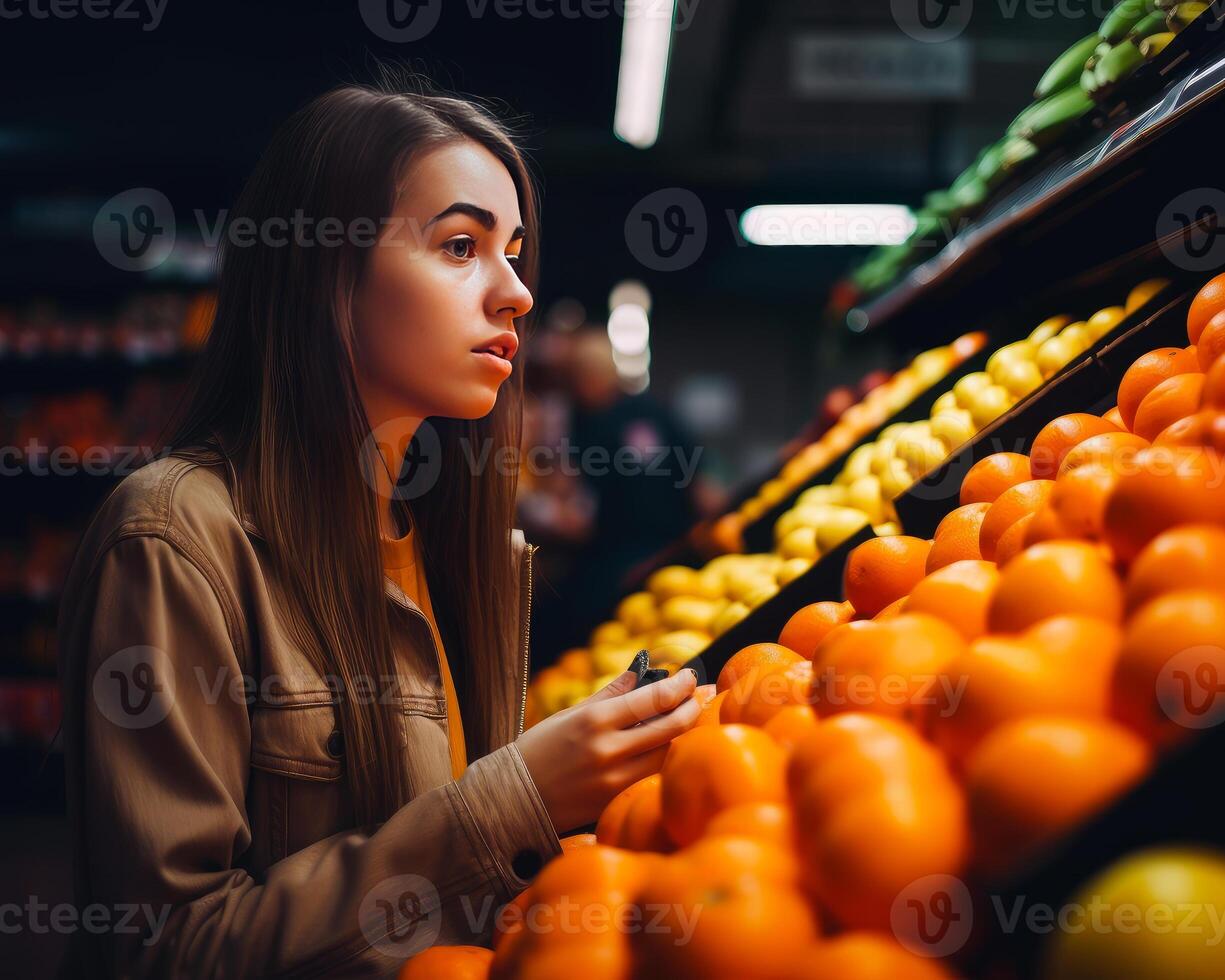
<point x="1088" y="384"/>
<point x="1116" y="182"/>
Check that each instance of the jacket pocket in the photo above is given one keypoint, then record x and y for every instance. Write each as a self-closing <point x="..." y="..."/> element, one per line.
<point x="297" y="740"/>
<point x="296" y="796"/>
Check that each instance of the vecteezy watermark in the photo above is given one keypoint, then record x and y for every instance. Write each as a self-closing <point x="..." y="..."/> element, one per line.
<point x="933" y="915"/>
<point x="667" y="230"/>
<point x="148" y="13"/>
<point x="120" y="919"/>
<point x="1189" y="229"/>
<point x="931" y="21"/>
<point x="571" y="916"/>
<point x="405" y="21"/>
<point x="134" y="688"/>
<point x="136" y="230"/>
<point x="37" y="458"/>
<point x="401" y="916"/>
<point x="419" y="448"/>
<point x="1191" y="687"/>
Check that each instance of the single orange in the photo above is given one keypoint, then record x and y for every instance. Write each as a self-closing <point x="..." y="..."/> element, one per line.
<point x="719" y="910"/>
<point x="1061" y="665"/>
<point x="643" y="829"/>
<point x="992" y="475"/>
<point x="808" y="625"/>
<point x="762" y="693"/>
<point x="448" y="963"/>
<point x="878" y="809"/>
<point x="769" y="822"/>
<point x="1173" y="399"/>
<point x="883" y="570"/>
<point x="1205" y="428"/>
<point x="888" y="667"/>
<point x="1059" y="436"/>
<point x="1148" y="371"/>
<point x="956" y="537"/>
<point x="1211" y="343"/>
<point x="1112" y="449"/>
<point x="711" y="768"/>
<point x="864" y="956"/>
<point x="1079" y="500"/>
<point x="609" y="827"/>
<point x="1186" y="557"/>
<point x="727" y="534"/>
<point x="959" y="594"/>
<point x="791" y="725"/>
<point x="1011" y="505"/>
<point x="1114" y="417"/>
<point x="893" y="610"/>
<point x="1055" y="578"/>
<point x="1208" y="302"/>
<point x="754" y="655"/>
<point x="1165" y="486"/>
<point x="1034" y="779"/>
<point x="575" y="841"/>
<point x="1015" y="540"/>
<point x="1170" y="681"/>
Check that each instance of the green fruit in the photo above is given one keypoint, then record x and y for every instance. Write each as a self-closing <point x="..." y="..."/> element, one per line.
<point x="971" y="194"/>
<point x="1119" y="22"/>
<point x="1088" y="81"/>
<point x="1054" y="115"/>
<point x="1183" y="14"/>
<point x="1154" y="915"/>
<point x="988" y="168"/>
<point x="1151" y="23"/>
<point x="1066" y="69"/>
<point x="1117" y="64"/>
<point x="1016" y="153"/>
<point x="1154" y="44"/>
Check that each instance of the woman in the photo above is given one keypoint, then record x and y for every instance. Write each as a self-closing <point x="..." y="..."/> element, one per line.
<point x="294" y="683"/>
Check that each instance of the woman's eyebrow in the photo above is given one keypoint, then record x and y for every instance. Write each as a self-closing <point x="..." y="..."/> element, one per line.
<point x="486" y="218"/>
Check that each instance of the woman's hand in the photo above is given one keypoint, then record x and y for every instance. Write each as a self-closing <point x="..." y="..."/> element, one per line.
<point x="582" y="757"/>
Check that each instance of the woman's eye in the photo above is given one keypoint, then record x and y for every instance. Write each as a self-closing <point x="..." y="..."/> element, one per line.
<point x="461" y="248"/>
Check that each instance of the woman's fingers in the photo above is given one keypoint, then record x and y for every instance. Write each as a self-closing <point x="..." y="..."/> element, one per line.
<point x="621" y="684"/>
<point x="660" y="730"/>
<point x="645" y="703"/>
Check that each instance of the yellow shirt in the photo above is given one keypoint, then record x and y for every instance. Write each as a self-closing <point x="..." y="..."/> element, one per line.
<point x="403" y="565"/>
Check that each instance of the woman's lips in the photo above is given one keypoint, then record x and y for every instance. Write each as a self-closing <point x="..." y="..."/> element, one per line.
<point x="495" y="361"/>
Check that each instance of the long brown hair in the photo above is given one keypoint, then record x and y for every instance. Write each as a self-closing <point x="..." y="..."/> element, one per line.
<point x="277" y="377"/>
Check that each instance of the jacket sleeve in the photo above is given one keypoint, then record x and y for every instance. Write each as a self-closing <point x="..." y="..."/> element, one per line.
<point x="158" y="762"/>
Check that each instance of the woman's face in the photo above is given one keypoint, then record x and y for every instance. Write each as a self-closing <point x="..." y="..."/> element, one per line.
<point x="435" y="309"/>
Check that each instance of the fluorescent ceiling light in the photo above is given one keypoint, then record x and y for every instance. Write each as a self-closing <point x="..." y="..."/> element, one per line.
<point x="646" y="39"/>
<point x="827" y="224"/>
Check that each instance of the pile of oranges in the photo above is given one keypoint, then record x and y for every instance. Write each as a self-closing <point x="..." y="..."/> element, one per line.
<point x="973" y="699"/>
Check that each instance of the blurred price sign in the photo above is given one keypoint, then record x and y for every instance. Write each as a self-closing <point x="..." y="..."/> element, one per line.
<point x="866" y="68"/>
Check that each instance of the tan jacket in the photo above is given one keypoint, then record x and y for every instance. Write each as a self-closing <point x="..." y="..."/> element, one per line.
<point x="204" y="763"/>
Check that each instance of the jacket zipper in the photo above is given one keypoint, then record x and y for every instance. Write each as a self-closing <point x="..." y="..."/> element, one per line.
<point x="527" y="639"/>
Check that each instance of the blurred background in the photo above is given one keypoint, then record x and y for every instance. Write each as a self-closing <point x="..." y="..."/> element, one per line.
<point x="665" y="318"/>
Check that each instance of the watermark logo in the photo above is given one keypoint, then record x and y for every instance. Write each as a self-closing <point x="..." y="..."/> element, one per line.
<point x="414" y="445"/>
<point x="148" y="13"/>
<point x="666" y="231"/>
<point x="134" y="688"/>
<point x="1189" y="229"/>
<point x="401" y="916"/>
<point x="1191" y="687"/>
<point x="933" y="915"/>
<point x="135" y="231"/>
<point x="931" y="21"/>
<point x="401" y="21"/>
